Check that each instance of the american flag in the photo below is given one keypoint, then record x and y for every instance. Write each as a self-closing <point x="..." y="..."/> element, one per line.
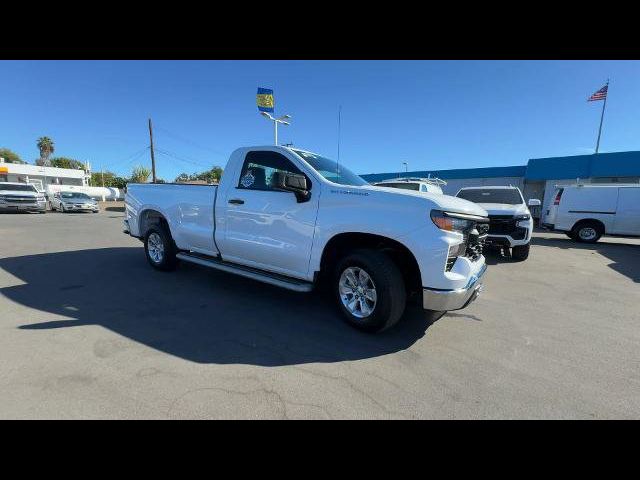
<point x="599" y="95"/>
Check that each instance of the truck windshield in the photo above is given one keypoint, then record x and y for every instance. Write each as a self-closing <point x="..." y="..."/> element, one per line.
<point x="509" y="196"/>
<point x="17" y="188"/>
<point x="330" y="170"/>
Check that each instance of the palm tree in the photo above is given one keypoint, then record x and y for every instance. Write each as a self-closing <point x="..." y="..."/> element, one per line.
<point x="46" y="147"/>
<point x="140" y="174"/>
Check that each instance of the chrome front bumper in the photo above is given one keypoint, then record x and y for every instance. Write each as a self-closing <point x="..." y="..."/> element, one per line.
<point x="81" y="208"/>
<point x="31" y="207"/>
<point x="445" y="300"/>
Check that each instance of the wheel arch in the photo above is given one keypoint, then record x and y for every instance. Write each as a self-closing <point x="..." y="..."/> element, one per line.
<point x="149" y="217"/>
<point x="596" y="221"/>
<point x="342" y="243"/>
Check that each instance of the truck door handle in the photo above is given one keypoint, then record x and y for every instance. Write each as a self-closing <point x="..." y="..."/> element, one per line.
<point x="236" y="201"/>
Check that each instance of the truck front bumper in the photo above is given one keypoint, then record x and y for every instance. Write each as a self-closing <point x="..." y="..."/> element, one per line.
<point x="24" y="207"/>
<point x="445" y="300"/>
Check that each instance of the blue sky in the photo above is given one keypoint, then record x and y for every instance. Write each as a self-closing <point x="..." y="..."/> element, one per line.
<point x="431" y="114"/>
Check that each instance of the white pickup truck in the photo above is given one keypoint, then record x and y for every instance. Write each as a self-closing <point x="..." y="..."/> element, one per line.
<point x="293" y="218"/>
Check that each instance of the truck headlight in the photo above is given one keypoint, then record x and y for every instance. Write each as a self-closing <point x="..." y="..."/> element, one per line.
<point x="451" y="222"/>
<point x="522" y="220"/>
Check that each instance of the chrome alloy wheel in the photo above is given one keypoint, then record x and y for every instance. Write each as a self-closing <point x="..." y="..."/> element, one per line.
<point x="357" y="292"/>
<point x="155" y="247"/>
<point x="587" y="233"/>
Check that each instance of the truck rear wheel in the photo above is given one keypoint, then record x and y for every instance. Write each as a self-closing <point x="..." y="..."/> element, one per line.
<point x="369" y="290"/>
<point x="161" y="253"/>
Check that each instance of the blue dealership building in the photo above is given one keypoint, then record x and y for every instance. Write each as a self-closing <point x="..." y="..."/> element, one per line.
<point x="538" y="178"/>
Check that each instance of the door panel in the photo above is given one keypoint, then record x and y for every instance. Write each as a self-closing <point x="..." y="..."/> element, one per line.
<point x="270" y="230"/>
<point x="627" y="219"/>
<point x="265" y="227"/>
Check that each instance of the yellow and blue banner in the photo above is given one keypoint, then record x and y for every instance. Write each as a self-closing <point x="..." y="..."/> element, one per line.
<point x="265" y="99"/>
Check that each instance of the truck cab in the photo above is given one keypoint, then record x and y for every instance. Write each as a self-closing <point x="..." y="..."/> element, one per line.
<point x="294" y="219"/>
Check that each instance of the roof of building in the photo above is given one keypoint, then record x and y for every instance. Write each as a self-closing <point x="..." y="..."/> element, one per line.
<point x="616" y="164"/>
<point x="37" y="170"/>
<point x="489" y="172"/>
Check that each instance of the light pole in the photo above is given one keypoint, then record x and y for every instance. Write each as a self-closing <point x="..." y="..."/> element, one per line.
<point x="283" y="119"/>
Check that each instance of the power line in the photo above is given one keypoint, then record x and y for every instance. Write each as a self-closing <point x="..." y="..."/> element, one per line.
<point x="133" y="157"/>
<point x="190" y="142"/>
<point x="167" y="153"/>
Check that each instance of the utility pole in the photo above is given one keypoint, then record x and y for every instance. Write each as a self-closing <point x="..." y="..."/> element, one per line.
<point x="602" y="117"/>
<point x="102" y="171"/>
<point x="153" y="158"/>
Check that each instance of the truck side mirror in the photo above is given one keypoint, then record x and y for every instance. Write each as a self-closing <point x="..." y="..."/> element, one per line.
<point x="292" y="182"/>
<point x="534" y="202"/>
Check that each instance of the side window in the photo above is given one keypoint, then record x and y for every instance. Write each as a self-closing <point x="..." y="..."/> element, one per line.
<point x="259" y="167"/>
<point x="423" y="188"/>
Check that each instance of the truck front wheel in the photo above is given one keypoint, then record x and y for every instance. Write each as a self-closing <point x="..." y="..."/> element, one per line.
<point x="369" y="290"/>
<point x="520" y="252"/>
<point x="158" y="245"/>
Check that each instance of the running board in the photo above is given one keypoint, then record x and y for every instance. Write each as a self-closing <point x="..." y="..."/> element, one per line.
<point x="248" y="272"/>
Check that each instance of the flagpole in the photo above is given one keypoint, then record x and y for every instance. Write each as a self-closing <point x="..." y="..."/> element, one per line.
<point x="602" y="118"/>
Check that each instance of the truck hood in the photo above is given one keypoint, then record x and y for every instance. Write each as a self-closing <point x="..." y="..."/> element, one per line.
<point x="504" y="208"/>
<point x="18" y="192"/>
<point x="442" y="202"/>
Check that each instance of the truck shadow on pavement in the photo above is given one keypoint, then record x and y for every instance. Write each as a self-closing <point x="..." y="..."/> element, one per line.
<point x="625" y="256"/>
<point x="196" y="313"/>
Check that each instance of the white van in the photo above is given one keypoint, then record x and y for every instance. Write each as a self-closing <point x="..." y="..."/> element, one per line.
<point x="586" y="212"/>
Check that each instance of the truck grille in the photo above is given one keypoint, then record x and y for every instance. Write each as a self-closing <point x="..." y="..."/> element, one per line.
<point x="19" y="199"/>
<point x="506" y="225"/>
<point x="475" y="242"/>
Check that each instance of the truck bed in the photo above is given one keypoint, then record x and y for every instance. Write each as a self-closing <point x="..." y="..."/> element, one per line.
<point x="188" y="208"/>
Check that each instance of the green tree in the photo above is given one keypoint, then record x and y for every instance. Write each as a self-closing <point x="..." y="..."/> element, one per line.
<point x="10" y="156"/>
<point x="118" y="182"/>
<point x="210" y="176"/>
<point x="140" y="174"/>
<point x="46" y="147"/>
<point x="64" y="162"/>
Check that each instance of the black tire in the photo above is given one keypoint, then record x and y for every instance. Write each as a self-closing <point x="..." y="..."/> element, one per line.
<point x="587" y="232"/>
<point x="389" y="288"/>
<point x="570" y="235"/>
<point x="520" y="253"/>
<point x="167" y="260"/>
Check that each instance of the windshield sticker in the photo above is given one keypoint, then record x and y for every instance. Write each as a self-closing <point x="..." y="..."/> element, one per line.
<point x="247" y="180"/>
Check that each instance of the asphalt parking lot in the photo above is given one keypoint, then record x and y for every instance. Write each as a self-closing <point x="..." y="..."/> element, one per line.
<point x="89" y="330"/>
